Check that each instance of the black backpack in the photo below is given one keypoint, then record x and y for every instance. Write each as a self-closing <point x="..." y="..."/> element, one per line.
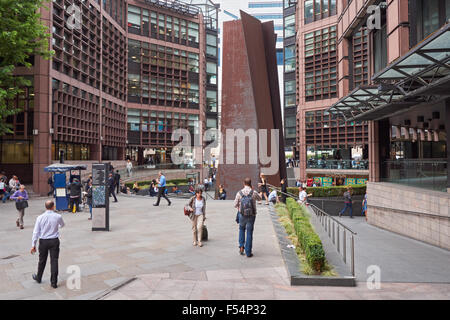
<point x="246" y="207"/>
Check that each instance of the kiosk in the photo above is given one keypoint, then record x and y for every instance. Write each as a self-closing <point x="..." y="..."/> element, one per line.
<point x="59" y="171"/>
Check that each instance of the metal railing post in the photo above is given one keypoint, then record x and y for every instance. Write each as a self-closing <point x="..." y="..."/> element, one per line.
<point x="338" y="238"/>
<point x="353" y="255"/>
<point x="334" y="227"/>
<point x="345" y="247"/>
<point x="329" y="227"/>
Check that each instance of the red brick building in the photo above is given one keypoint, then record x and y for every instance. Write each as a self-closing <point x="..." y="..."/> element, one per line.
<point x="117" y="86"/>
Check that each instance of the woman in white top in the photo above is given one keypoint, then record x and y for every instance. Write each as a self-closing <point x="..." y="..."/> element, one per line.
<point x="197" y="206"/>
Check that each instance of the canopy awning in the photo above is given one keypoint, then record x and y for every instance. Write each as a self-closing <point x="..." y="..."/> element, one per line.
<point x="61" y="167"/>
<point x="422" y="75"/>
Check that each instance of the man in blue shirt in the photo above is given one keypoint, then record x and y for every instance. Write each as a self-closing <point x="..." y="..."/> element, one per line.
<point x="46" y="231"/>
<point x="161" y="189"/>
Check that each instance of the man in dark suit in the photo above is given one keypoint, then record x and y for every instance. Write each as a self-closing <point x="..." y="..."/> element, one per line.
<point x="117" y="181"/>
<point x="111" y="185"/>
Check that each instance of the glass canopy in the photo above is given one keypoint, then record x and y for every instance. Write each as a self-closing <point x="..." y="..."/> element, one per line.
<point x="423" y="74"/>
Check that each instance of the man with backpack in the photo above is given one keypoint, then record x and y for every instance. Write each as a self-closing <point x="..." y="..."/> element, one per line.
<point x="245" y="202"/>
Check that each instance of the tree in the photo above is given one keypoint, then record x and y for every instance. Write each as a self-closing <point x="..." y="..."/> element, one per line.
<point x="22" y="35"/>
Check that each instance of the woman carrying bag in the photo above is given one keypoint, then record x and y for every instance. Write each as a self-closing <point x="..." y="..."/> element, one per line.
<point x="21" y="197"/>
<point x="197" y="207"/>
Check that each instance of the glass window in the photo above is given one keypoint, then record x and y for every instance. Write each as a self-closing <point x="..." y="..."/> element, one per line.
<point x="289" y="23"/>
<point x="211" y="40"/>
<point x="290" y="60"/>
<point x="289" y="101"/>
<point x="289" y="87"/>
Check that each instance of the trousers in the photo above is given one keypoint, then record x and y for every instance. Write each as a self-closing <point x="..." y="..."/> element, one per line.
<point x="197" y="227"/>
<point x="47" y="246"/>
<point x="161" y="193"/>
<point x="20" y="218"/>
<point x="246" y="226"/>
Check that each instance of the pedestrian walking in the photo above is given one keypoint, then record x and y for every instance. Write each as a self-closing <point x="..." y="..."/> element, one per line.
<point x="263" y="187"/>
<point x="245" y="202"/>
<point x="21" y="198"/>
<point x="89" y="198"/>
<point x="117" y="181"/>
<point x="206" y="183"/>
<point x="52" y="186"/>
<point x="75" y="195"/>
<point x="161" y="189"/>
<point x="197" y="206"/>
<point x="46" y="231"/>
<point x="302" y="196"/>
<point x="4" y="188"/>
<point x="129" y="167"/>
<point x="111" y="187"/>
<point x="348" y="202"/>
<point x="364" y="206"/>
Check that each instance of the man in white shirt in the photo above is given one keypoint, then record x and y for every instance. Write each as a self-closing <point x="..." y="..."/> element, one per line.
<point x="302" y="196"/>
<point x="129" y="167"/>
<point x="46" y="230"/>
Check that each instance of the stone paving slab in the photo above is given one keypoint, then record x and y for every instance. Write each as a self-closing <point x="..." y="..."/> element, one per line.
<point x="155" y="245"/>
<point x="143" y="239"/>
<point x="245" y="285"/>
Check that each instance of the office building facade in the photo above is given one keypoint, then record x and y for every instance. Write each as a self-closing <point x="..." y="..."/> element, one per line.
<point x="406" y="104"/>
<point x="326" y="146"/>
<point x="120" y="82"/>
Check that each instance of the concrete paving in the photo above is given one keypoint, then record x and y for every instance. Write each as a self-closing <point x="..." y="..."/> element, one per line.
<point x="401" y="259"/>
<point x="143" y="239"/>
<point x="155" y="245"/>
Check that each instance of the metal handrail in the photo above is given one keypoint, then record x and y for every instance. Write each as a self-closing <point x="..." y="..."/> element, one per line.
<point x="331" y="225"/>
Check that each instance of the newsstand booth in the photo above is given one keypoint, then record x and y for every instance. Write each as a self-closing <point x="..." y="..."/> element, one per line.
<point x="59" y="171"/>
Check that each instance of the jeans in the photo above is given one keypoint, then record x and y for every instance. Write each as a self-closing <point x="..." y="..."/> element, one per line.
<point x="90" y="210"/>
<point x="246" y="224"/>
<point x="5" y="196"/>
<point x="348" y="206"/>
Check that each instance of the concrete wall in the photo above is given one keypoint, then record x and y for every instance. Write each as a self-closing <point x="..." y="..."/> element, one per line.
<point x="417" y="213"/>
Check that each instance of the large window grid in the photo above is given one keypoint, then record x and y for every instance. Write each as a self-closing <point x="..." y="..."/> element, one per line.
<point x="320" y="64"/>
<point x="21" y="123"/>
<point x="319" y="9"/>
<point x="159" y="75"/>
<point x="163" y="27"/>
<point x="155" y="128"/>
<point x="78" y="52"/>
<point x="76" y="114"/>
<point x="114" y="124"/>
<point x="360" y="57"/>
<point x="321" y="130"/>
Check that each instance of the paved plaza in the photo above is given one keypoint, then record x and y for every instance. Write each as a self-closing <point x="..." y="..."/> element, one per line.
<point x="149" y="250"/>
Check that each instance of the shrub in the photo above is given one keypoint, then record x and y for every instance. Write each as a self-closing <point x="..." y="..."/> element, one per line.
<point x="338" y="191"/>
<point x="307" y="237"/>
<point x="169" y="183"/>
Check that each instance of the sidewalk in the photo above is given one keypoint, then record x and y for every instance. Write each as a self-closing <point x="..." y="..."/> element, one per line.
<point x="154" y="244"/>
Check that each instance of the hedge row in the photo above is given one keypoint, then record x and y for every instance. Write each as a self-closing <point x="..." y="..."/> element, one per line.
<point x="338" y="191"/>
<point x="169" y="183"/>
<point x="309" y="240"/>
